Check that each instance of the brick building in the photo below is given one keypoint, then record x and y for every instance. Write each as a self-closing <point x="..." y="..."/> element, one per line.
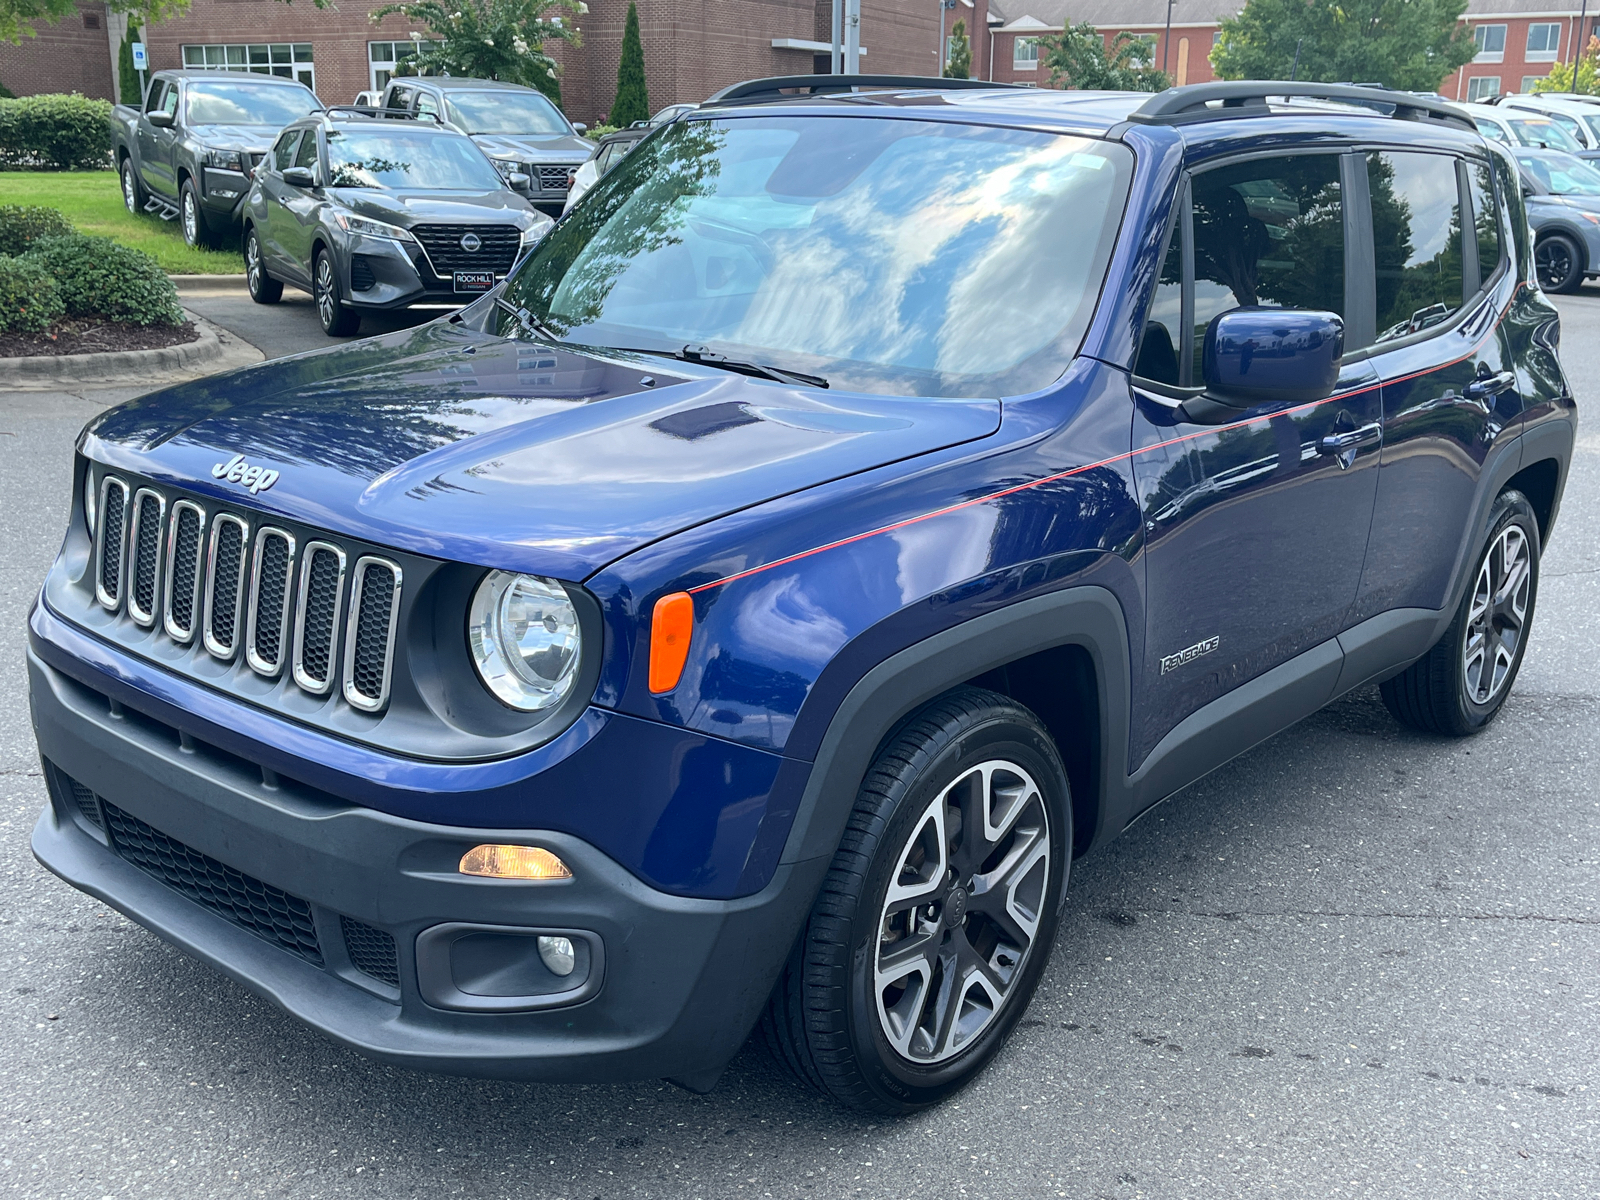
<point x="692" y="47"/>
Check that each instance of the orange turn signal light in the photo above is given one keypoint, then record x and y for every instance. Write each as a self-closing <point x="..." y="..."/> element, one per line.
<point x="670" y="628"/>
<point x="514" y="862"/>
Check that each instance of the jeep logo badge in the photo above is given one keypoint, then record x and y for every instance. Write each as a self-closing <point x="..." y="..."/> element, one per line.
<point x="235" y="470"/>
<point x="470" y="242"/>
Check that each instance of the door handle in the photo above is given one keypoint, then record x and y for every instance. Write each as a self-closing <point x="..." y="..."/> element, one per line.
<point x="1351" y="439"/>
<point x="1486" y="386"/>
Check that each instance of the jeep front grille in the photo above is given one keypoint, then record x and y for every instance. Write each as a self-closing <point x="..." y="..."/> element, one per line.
<point x="250" y="588"/>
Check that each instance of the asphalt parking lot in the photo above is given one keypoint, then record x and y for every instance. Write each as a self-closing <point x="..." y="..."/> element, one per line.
<point x="1357" y="962"/>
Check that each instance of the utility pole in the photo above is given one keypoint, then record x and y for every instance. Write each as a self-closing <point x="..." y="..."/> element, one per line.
<point x="1166" y="39"/>
<point x="836" y="59"/>
<point x="1579" y="41"/>
<point x="1294" y="71"/>
<point x="852" y="37"/>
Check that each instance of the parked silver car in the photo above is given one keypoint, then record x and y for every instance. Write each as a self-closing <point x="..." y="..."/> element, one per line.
<point x="365" y="212"/>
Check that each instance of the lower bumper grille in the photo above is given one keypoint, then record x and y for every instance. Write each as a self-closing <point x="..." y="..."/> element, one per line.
<point x="268" y="912"/>
<point x="371" y="951"/>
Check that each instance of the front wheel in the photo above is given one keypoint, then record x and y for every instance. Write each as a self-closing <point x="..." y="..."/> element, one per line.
<point x="192" y="218"/>
<point x="337" y="319"/>
<point x="1559" y="263"/>
<point x="264" y="289"/>
<point x="938" y="913"/>
<point x="1459" y="686"/>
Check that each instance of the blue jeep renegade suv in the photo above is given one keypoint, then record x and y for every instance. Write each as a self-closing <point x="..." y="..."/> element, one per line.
<point x="875" y="494"/>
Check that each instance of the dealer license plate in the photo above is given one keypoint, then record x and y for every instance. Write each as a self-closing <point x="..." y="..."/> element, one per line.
<point x="474" y="281"/>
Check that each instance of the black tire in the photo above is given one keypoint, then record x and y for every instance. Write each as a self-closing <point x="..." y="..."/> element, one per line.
<point x="192" y="218"/>
<point x="133" y="194"/>
<point x="264" y="289"/>
<point x="1441" y="692"/>
<point x="830" y="1020"/>
<point x="1558" y="261"/>
<point x="338" y="319"/>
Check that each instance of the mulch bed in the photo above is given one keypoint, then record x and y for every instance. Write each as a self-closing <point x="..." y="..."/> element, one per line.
<point x="91" y="335"/>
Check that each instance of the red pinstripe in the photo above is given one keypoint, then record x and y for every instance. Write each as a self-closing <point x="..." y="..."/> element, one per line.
<point x="1105" y="462"/>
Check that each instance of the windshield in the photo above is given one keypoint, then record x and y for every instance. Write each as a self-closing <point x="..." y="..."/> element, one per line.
<point x="360" y="158"/>
<point x="890" y="255"/>
<point x="247" y="104"/>
<point x="1540" y="131"/>
<point x="1569" y="177"/>
<point x="504" y="112"/>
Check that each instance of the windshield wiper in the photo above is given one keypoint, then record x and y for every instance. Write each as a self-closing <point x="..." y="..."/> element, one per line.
<point x="703" y="354"/>
<point x="529" y="322"/>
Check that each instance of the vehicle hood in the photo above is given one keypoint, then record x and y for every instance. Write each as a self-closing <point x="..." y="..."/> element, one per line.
<point x="451" y="208"/>
<point x="462" y="446"/>
<point x="541" y="147"/>
<point x="235" y="137"/>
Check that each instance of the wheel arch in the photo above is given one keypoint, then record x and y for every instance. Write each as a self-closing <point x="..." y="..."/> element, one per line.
<point x="1064" y="655"/>
<point x="1540" y="482"/>
<point x="1571" y="234"/>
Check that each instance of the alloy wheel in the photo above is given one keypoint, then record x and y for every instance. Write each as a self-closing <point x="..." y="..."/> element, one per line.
<point x="252" y="263"/>
<point x="962" y="911"/>
<point x="130" y="197"/>
<point x="1498" y="615"/>
<point x="327" y="300"/>
<point x="1553" y="261"/>
<point x="191" y="219"/>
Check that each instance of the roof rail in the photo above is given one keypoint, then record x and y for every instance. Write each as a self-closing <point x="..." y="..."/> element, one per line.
<point x="1248" y="98"/>
<point x="774" y="88"/>
<point x="377" y="112"/>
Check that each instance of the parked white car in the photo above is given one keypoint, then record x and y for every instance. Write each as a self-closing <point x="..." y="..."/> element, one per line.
<point x="1579" y="117"/>
<point x="1521" y="127"/>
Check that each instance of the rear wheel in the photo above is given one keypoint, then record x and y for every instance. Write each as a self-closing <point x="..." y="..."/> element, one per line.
<point x="1559" y="263"/>
<point x="338" y="319"/>
<point x="937" y="916"/>
<point x="264" y="289"/>
<point x="133" y="197"/>
<point x="1459" y="686"/>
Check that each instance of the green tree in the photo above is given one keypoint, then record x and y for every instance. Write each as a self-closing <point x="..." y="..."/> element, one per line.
<point x="960" y="64"/>
<point x="633" y="99"/>
<point x="127" y="77"/>
<point x="491" y="39"/>
<point x="1079" y="58"/>
<point x="1406" y="44"/>
<point x="1582" y="76"/>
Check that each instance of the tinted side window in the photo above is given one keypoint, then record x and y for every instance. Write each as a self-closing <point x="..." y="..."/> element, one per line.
<point x="307" y="154"/>
<point x="427" y="106"/>
<point x="1163" y="328"/>
<point x="283" y="151"/>
<point x="1268" y="232"/>
<point x="152" y="100"/>
<point x="1485" y="217"/>
<point x="169" y="102"/>
<point x="1416" y="240"/>
<point x="400" y="98"/>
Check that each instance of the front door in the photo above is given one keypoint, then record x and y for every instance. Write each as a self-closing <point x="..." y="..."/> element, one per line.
<point x="273" y="215"/>
<point x="1255" y="530"/>
<point x="155" y="142"/>
<point x="298" y="216"/>
<point x="1450" y="394"/>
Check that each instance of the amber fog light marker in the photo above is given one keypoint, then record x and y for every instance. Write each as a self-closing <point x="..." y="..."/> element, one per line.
<point x="513" y="862"/>
<point x="671" y="625"/>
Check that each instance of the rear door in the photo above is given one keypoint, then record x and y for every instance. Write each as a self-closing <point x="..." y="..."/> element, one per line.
<point x="1450" y="394"/>
<point x="1255" y="530"/>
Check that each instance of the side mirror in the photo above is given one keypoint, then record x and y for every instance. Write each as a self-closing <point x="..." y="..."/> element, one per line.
<point x="1267" y="355"/>
<point x="300" y="177"/>
<point x="518" y="180"/>
<point x="161" y="120"/>
<point x="579" y="127"/>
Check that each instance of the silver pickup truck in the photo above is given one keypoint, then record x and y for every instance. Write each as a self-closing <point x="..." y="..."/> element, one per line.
<point x="189" y="152"/>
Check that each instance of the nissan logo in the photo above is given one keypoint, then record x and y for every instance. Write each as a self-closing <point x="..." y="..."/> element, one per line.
<point x="470" y="242"/>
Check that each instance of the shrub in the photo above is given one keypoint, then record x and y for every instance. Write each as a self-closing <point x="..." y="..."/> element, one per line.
<point x="595" y="132"/>
<point x="97" y="277"/>
<point x="55" y="131"/>
<point x="29" y="298"/>
<point x="23" y="224"/>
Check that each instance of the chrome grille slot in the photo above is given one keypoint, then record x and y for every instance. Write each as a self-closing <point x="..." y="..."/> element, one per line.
<point x="225" y="580"/>
<point x="316" y="615"/>
<point x="111" y="544"/>
<point x="185" y="540"/>
<point x="267" y="626"/>
<point x="144" y="554"/>
<point x="369" y="640"/>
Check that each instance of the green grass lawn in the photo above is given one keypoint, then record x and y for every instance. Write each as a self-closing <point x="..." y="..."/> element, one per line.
<point x="92" y="201"/>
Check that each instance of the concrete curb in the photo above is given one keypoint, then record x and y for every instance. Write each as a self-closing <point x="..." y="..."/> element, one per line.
<point x="214" y="350"/>
<point x="210" y="285"/>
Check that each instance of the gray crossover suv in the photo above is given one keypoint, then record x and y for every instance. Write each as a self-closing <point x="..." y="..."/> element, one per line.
<point x="372" y="213"/>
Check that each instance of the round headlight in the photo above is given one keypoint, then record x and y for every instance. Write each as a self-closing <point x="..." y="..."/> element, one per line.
<point x="523" y="631"/>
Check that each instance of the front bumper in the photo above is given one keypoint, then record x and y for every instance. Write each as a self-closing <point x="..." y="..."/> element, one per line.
<point x="381" y="274"/>
<point x="681" y="981"/>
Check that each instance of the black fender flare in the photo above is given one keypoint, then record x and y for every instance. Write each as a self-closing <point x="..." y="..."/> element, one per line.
<point x="1086" y="615"/>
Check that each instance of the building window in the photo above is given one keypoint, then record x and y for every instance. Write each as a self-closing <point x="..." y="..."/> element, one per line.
<point x="1491" y="41"/>
<point x="1025" y="54"/>
<point x="382" y="58"/>
<point x="91" y="20"/>
<point x="288" y="60"/>
<point x="1544" y="40"/>
<point x="1482" y="87"/>
<point x="1529" y="82"/>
